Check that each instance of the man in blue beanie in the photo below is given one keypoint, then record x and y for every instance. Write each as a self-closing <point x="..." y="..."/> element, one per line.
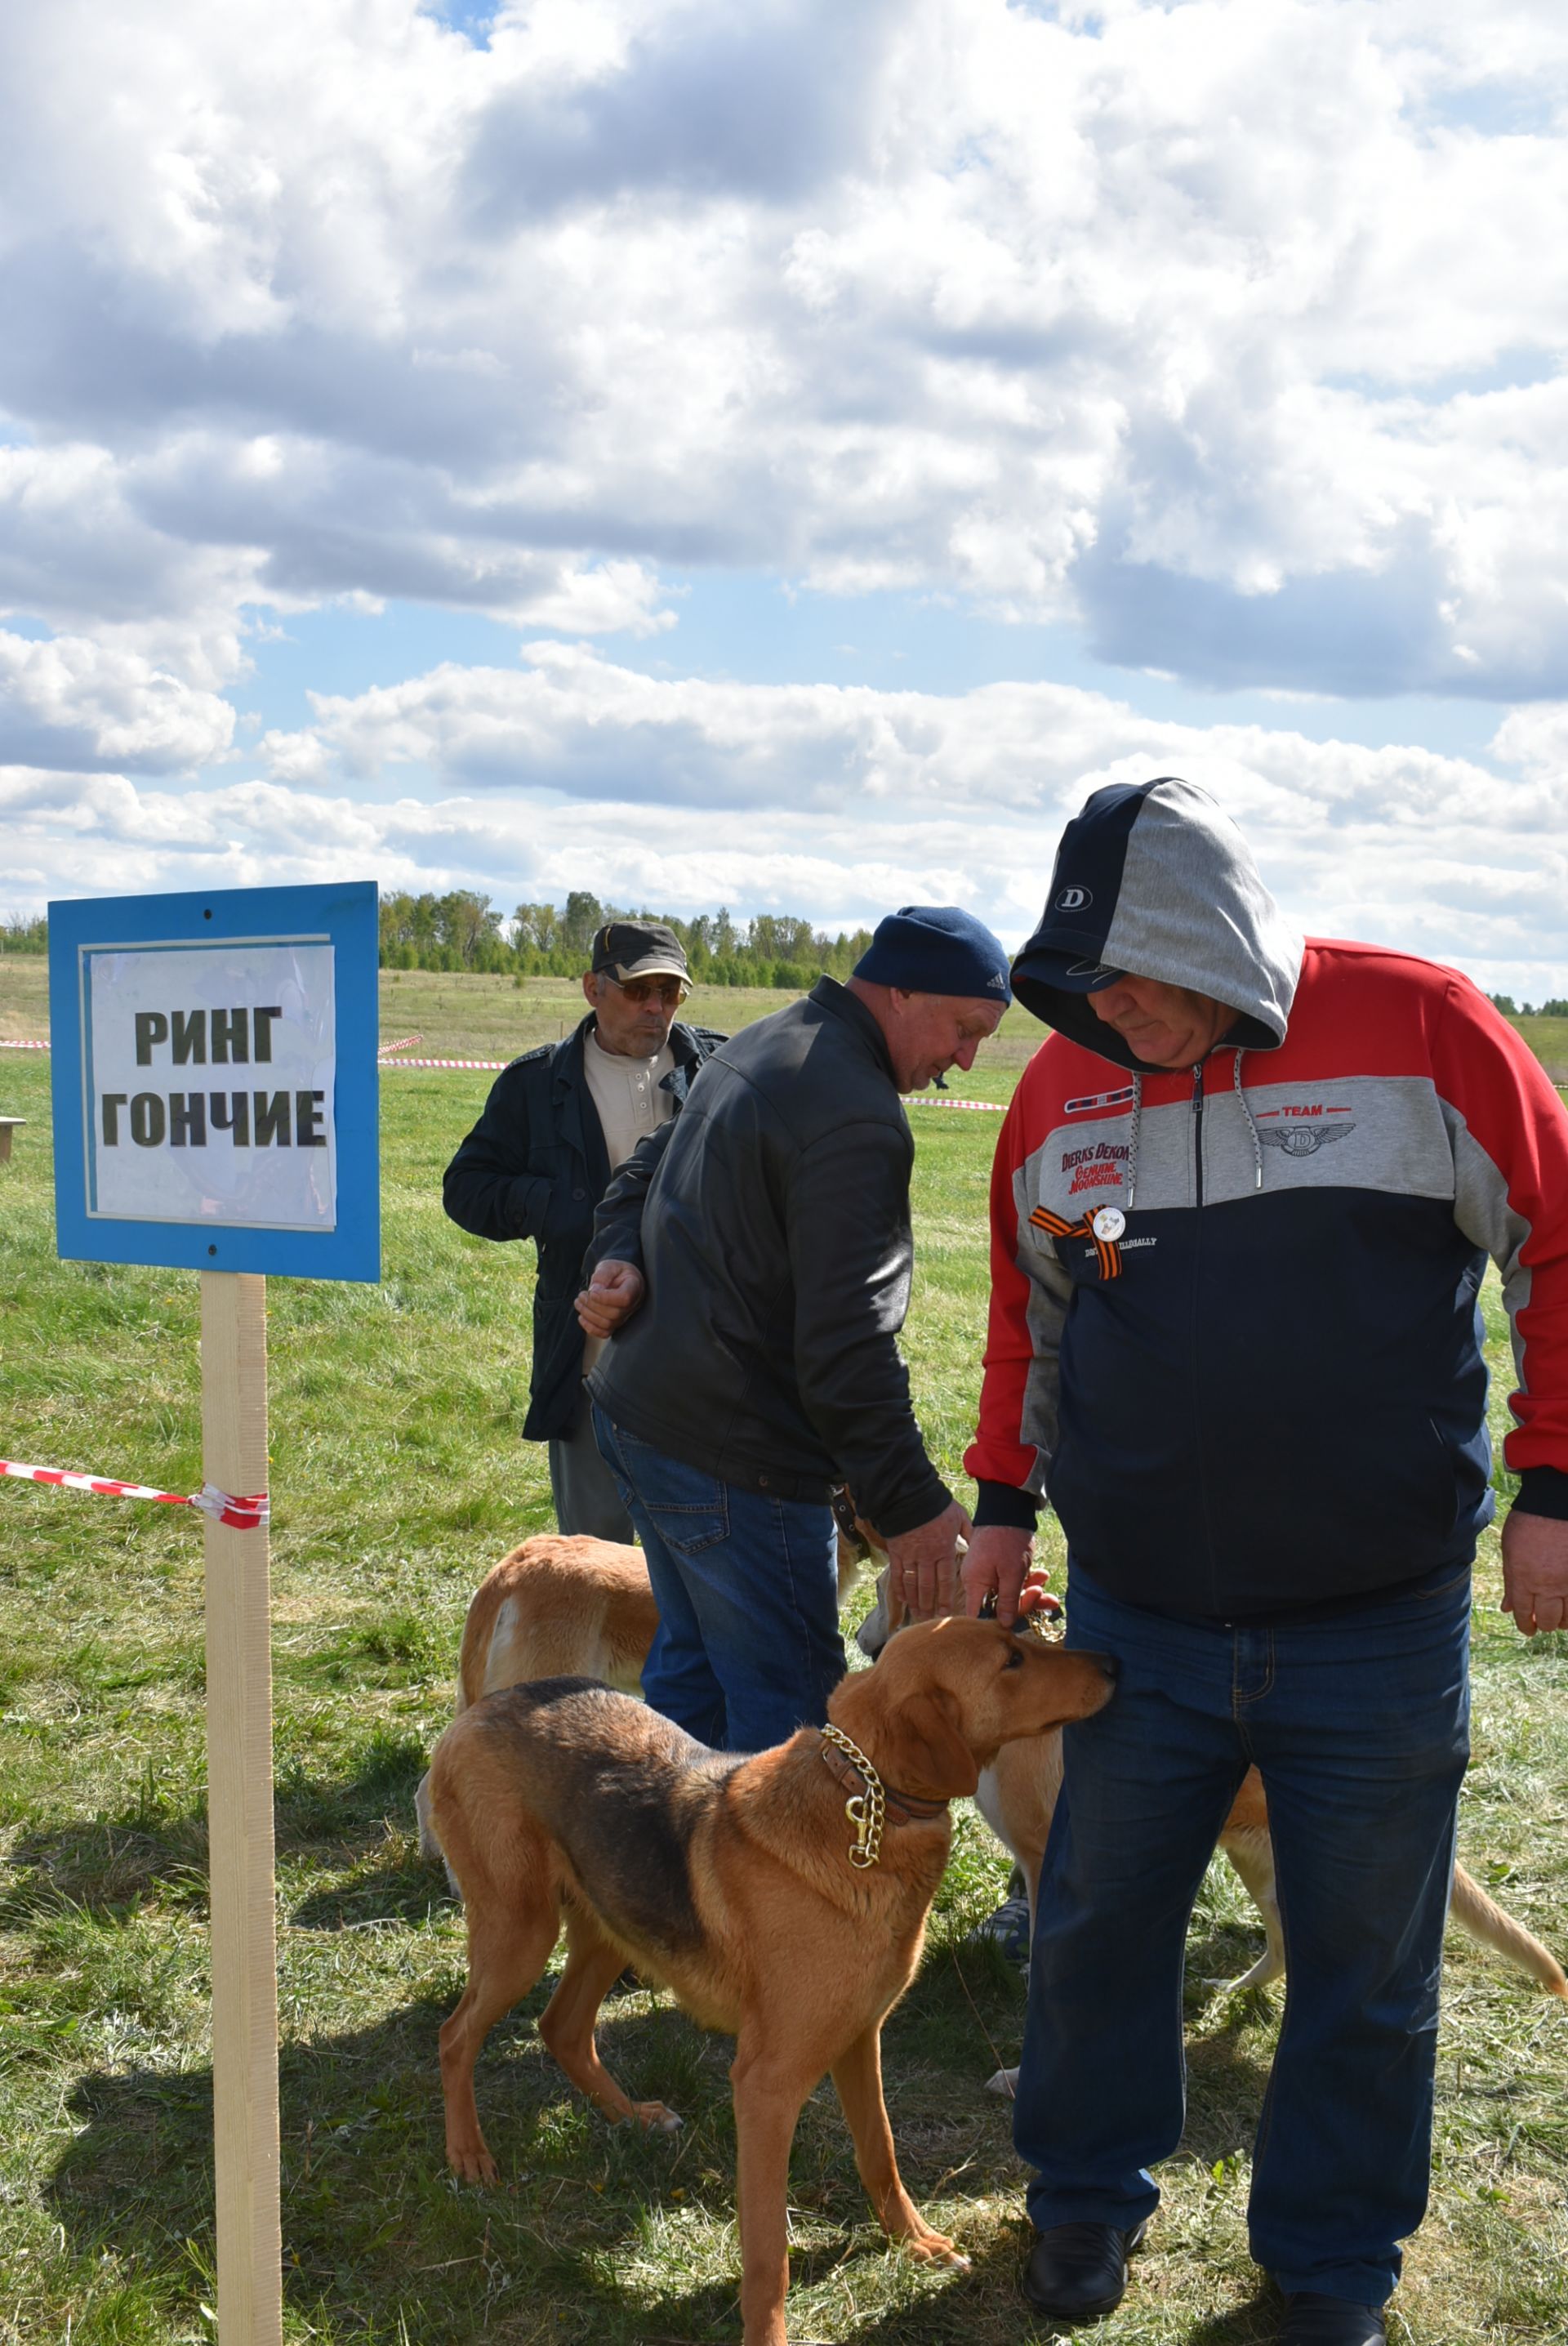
<point x="752" y="1266"/>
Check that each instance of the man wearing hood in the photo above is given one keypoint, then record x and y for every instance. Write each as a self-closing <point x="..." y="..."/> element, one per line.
<point x="1242" y="1206"/>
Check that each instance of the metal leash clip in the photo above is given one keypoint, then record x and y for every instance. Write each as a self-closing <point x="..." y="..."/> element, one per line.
<point x="1047" y="1621"/>
<point x="866" y="1809"/>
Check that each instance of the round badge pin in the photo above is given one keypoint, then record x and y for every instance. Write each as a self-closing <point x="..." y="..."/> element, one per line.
<point x="1109" y="1223"/>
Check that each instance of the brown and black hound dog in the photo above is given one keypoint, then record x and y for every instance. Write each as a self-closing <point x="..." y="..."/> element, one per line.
<point x="774" y="1907"/>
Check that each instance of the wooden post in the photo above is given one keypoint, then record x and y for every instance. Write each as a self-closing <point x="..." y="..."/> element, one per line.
<point x="239" y="1817"/>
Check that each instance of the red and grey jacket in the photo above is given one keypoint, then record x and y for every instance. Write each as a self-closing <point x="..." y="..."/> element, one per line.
<point x="1260" y="1388"/>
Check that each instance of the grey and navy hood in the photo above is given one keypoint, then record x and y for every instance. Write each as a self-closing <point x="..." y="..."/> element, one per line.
<point x="1154" y="880"/>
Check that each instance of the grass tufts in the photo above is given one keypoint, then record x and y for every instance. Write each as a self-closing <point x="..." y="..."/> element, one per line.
<point x="399" y="1476"/>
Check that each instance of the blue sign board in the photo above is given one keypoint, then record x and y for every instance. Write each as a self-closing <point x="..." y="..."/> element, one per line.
<point x="214" y="1084"/>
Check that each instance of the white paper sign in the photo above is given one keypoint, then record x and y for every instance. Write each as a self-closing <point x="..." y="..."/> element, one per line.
<point x="209" y="1084"/>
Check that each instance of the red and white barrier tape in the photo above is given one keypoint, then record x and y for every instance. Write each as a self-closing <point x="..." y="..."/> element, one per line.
<point x="24" y="1047"/>
<point x="919" y="1099"/>
<point x="495" y="1065"/>
<point x="247" y="1514"/>
<point x="402" y="1043"/>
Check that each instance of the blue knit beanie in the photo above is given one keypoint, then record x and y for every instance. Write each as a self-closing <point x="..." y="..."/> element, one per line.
<point x="936" y="949"/>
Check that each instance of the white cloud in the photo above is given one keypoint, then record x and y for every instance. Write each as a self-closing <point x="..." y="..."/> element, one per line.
<point x="76" y="553"/>
<point x="1231" y="333"/>
<point x="163" y="552"/>
<point x="1233" y="330"/>
<point x="573" y="723"/>
<point x="1535" y="738"/>
<point x="71" y="703"/>
<point x="839" y="802"/>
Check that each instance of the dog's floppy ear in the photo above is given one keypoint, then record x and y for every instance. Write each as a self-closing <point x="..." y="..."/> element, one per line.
<point x="921" y="1750"/>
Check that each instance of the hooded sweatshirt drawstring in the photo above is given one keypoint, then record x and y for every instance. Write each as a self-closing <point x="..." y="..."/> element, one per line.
<point x="1132" y="1141"/>
<point x="1137" y="1117"/>
<point x="1251" y="1126"/>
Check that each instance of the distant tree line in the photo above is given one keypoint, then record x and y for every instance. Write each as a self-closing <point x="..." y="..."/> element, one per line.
<point x="1511" y="1009"/>
<point x="464" y="931"/>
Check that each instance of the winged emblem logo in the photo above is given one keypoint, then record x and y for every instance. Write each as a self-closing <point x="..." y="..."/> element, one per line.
<point x="1301" y="1140"/>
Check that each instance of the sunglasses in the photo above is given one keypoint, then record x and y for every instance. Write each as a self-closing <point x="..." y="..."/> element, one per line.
<point x="672" y="991"/>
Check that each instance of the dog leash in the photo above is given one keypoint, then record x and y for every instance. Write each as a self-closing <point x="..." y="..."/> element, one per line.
<point x="843" y="1508"/>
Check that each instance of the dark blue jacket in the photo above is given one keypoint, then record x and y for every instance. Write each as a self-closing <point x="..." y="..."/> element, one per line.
<point x="534" y="1167"/>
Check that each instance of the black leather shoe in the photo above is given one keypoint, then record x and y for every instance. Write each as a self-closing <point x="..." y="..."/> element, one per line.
<point x="1313" y="2319"/>
<point x="1078" y="2271"/>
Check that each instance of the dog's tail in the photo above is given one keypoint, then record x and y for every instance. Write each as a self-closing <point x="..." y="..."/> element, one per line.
<point x="1485" y="1920"/>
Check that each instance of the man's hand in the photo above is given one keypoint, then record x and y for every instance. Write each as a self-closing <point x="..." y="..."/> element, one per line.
<point x="1535" y="1572"/>
<point x="611" y="1297"/>
<point x="998" y="1564"/>
<point x="922" y="1565"/>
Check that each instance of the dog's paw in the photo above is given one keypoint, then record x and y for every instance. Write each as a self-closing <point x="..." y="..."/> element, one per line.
<point x="936" y="2249"/>
<point x="473" y="2162"/>
<point x="1006" y="2082"/>
<point x="1225" y="1991"/>
<point x="656" y="2118"/>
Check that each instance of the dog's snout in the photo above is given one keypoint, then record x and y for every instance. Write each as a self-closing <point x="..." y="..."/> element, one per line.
<point x="1107" y="1663"/>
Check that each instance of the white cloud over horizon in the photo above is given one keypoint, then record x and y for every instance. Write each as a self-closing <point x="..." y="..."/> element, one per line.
<point x="1229" y="335"/>
<point x="838" y="801"/>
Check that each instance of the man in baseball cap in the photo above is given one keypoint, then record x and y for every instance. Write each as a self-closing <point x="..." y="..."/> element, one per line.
<point x="558" y="1122"/>
<point x="625" y="950"/>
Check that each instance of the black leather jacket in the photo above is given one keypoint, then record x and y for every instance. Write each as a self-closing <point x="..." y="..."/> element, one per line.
<point x="771" y="1222"/>
<point x="534" y="1167"/>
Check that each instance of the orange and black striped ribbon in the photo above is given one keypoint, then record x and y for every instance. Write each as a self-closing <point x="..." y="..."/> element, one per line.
<point x="1109" y="1252"/>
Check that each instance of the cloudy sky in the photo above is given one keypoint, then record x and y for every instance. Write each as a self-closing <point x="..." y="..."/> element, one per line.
<point x="786" y="454"/>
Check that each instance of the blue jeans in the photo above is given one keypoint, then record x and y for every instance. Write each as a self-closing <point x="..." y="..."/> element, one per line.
<point x="748" y="1648"/>
<point x="1359" y="1727"/>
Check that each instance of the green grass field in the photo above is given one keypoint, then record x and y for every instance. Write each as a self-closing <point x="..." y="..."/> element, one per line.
<point x="398" y="1477"/>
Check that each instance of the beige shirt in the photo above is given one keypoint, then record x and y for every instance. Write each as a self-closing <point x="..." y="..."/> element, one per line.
<point x="630" y="1104"/>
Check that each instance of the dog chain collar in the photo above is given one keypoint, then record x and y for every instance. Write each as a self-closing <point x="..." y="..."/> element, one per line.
<point x="867" y="1810"/>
